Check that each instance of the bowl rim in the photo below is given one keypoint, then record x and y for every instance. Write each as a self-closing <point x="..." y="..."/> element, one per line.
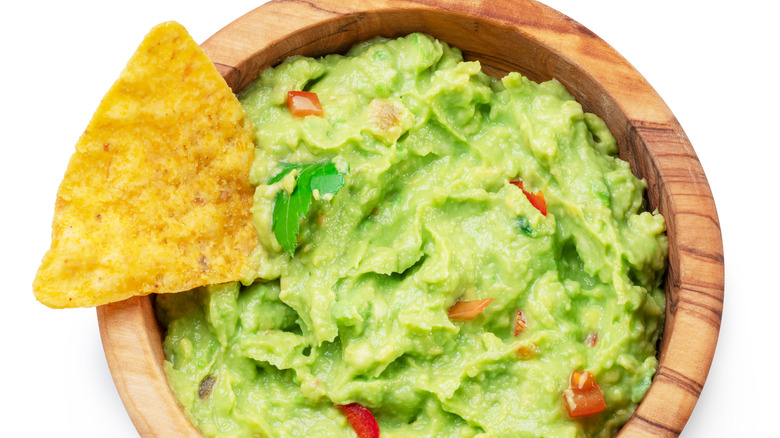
<point x="648" y="135"/>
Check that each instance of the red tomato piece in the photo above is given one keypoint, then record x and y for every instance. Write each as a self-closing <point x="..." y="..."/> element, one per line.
<point x="468" y="310"/>
<point x="361" y="420"/>
<point x="536" y="199"/>
<point x="583" y="397"/>
<point x="582" y="381"/>
<point x="520" y="322"/>
<point x="303" y="103"/>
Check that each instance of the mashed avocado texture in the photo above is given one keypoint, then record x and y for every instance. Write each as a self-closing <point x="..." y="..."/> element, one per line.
<point x="427" y="145"/>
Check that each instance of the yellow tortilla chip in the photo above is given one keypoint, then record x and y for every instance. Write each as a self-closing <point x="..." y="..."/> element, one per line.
<point x="157" y="196"/>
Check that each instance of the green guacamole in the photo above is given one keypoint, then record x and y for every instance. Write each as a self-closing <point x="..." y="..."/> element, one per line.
<point x="427" y="145"/>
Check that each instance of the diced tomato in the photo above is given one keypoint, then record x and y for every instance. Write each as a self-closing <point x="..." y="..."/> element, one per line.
<point x="591" y="339"/>
<point x="583" y="397"/>
<point x="528" y="351"/>
<point x="582" y="381"/>
<point x="520" y="322"/>
<point x="536" y="199"/>
<point x="468" y="310"/>
<point x="303" y="103"/>
<point x="518" y="183"/>
<point x="361" y="420"/>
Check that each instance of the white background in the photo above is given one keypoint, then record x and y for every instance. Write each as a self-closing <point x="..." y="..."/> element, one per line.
<point x="714" y="63"/>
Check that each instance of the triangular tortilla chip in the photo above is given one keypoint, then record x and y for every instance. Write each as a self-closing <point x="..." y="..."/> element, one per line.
<point x="157" y="196"/>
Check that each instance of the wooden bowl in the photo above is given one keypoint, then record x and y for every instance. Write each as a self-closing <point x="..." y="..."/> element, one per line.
<point x="516" y="35"/>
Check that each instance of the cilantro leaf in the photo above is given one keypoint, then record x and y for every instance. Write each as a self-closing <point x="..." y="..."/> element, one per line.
<point x="323" y="177"/>
<point x="329" y="183"/>
<point x="285" y="230"/>
<point x="286" y="168"/>
<point x="525" y="226"/>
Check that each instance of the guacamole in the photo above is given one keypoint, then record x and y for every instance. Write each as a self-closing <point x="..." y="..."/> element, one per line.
<point x="457" y="188"/>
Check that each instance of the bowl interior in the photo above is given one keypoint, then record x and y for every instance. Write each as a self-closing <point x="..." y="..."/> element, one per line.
<point x="518" y="35"/>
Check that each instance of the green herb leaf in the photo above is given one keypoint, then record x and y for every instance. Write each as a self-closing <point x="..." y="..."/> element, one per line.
<point x="525" y="226"/>
<point x="286" y="168"/>
<point x="330" y="183"/>
<point x="284" y="229"/>
<point x="323" y="177"/>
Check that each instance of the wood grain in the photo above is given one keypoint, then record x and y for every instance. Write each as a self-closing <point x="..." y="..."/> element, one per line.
<point x="516" y="35"/>
<point x="133" y="347"/>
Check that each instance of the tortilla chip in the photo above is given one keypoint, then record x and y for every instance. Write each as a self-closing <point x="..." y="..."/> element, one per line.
<point x="156" y="198"/>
